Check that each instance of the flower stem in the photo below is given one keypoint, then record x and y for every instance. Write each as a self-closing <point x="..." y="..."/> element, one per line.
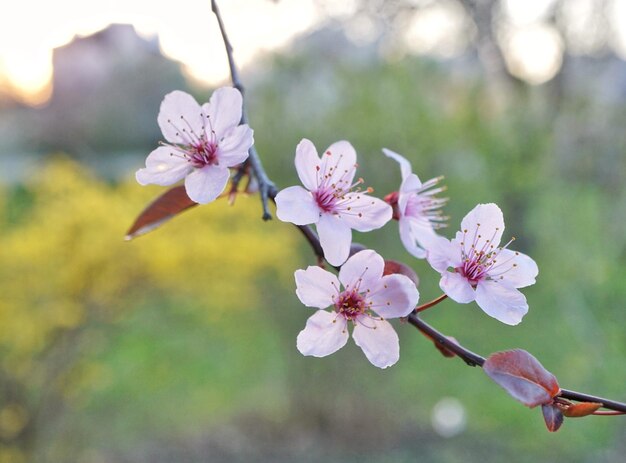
<point x="430" y="304"/>
<point x="267" y="189"/>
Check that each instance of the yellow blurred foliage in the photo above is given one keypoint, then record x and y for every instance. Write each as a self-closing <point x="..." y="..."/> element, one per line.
<point x="65" y="265"/>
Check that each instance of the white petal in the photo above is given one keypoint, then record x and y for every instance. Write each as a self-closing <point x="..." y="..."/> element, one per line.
<point x="181" y="118"/>
<point x="223" y="111"/>
<point x="442" y="253"/>
<point x="409" y="187"/>
<point x="206" y="184"/>
<point x="335" y="238"/>
<point x="408" y="240"/>
<point x="378" y="340"/>
<point x="339" y="161"/>
<point x="366" y="212"/>
<point x="233" y="149"/>
<point x="394" y="296"/>
<point x="489" y="216"/>
<point x="324" y="334"/>
<point x="296" y="205"/>
<point x="501" y="301"/>
<point x="457" y="287"/>
<point x="164" y="166"/>
<point x="315" y="287"/>
<point x="366" y="266"/>
<point x="405" y="165"/>
<point x="516" y="269"/>
<point x="308" y="164"/>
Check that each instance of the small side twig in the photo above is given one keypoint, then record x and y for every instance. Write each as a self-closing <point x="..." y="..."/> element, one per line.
<point x="267" y="189"/>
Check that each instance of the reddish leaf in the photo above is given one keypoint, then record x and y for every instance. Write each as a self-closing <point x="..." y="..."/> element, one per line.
<point x="522" y="376"/>
<point x="162" y="209"/>
<point x="552" y="416"/>
<point x="392" y="266"/>
<point x="581" y="409"/>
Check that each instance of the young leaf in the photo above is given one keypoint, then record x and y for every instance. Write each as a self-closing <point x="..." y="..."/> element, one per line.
<point x="172" y="202"/>
<point x="552" y="416"/>
<point x="392" y="266"/>
<point x="581" y="409"/>
<point x="522" y="376"/>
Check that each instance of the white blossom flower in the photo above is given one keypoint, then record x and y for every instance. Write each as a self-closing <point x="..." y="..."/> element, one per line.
<point x="368" y="298"/>
<point x="203" y="142"/>
<point x="474" y="267"/>
<point x="331" y="199"/>
<point x="416" y="208"/>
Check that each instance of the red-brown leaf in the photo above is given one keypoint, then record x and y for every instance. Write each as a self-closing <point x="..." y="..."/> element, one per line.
<point x="392" y="266"/>
<point x="172" y="202"/>
<point x="553" y="417"/>
<point x="522" y="376"/>
<point x="581" y="409"/>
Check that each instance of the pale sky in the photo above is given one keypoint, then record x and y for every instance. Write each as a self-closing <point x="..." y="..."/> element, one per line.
<point x="187" y="31"/>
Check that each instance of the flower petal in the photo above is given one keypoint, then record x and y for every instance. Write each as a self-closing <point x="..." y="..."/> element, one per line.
<point x="405" y="165"/>
<point x="296" y="205"/>
<point x="308" y="164"/>
<point x="339" y="163"/>
<point x="164" y="166"/>
<point x="394" y="296"/>
<point x="181" y="118"/>
<point x="365" y="212"/>
<point x="442" y="253"/>
<point x="315" y="287"/>
<point x="410" y="186"/>
<point x="206" y="184"/>
<point x="501" y="301"/>
<point x="335" y="238"/>
<point x="223" y="111"/>
<point x="408" y="239"/>
<point x="485" y="220"/>
<point x="457" y="287"/>
<point x="517" y="269"/>
<point x="233" y="149"/>
<point x="324" y="334"/>
<point x="364" y="269"/>
<point x="378" y="340"/>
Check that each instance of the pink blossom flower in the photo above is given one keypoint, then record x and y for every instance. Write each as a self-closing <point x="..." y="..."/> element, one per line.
<point x="203" y="142"/>
<point x="416" y="208"/>
<point x="474" y="267"/>
<point x="368" y="298"/>
<point x="331" y="199"/>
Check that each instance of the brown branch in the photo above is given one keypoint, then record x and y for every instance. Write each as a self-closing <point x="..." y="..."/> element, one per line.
<point x="430" y="304"/>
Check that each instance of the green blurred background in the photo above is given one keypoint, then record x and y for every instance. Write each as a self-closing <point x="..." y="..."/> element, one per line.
<point x="180" y="346"/>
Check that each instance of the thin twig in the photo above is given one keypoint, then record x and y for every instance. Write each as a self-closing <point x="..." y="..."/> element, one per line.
<point x="430" y="304"/>
<point x="267" y="189"/>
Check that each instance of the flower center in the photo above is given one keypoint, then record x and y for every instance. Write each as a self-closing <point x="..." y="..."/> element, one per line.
<point x="424" y="206"/>
<point x="203" y="153"/>
<point x="350" y="304"/>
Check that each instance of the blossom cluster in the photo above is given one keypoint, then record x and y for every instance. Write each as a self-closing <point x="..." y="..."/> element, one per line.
<point x="204" y="142"/>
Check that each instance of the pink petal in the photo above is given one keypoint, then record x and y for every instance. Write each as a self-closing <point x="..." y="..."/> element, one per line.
<point x="296" y="205"/>
<point x="405" y="165"/>
<point x="394" y="296"/>
<point x="366" y="212"/>
<point x="501" y="301"/>
<point x="442" y="254"/>
<point x="223" y="111"/>
<point x="308" y="164"/>
<point x="206" y="184"/>
<point x="341" y="157"/>
<point x="164" y="166"/>
<point x="489" y="216"/>
<point x="517" y="269"/>
<point x="324" y="334"/>
<point x="378" y="340"/>
<point x="335" y="238"/>
<point x="409" y="188"/>
<point x="233" y="149"/>
<point x="315" y="287"/>
<point x="457" y="287"/>
<point x="181" y="118"/>
<point x="364" y="269"/>
<point x="408" y="240"/>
